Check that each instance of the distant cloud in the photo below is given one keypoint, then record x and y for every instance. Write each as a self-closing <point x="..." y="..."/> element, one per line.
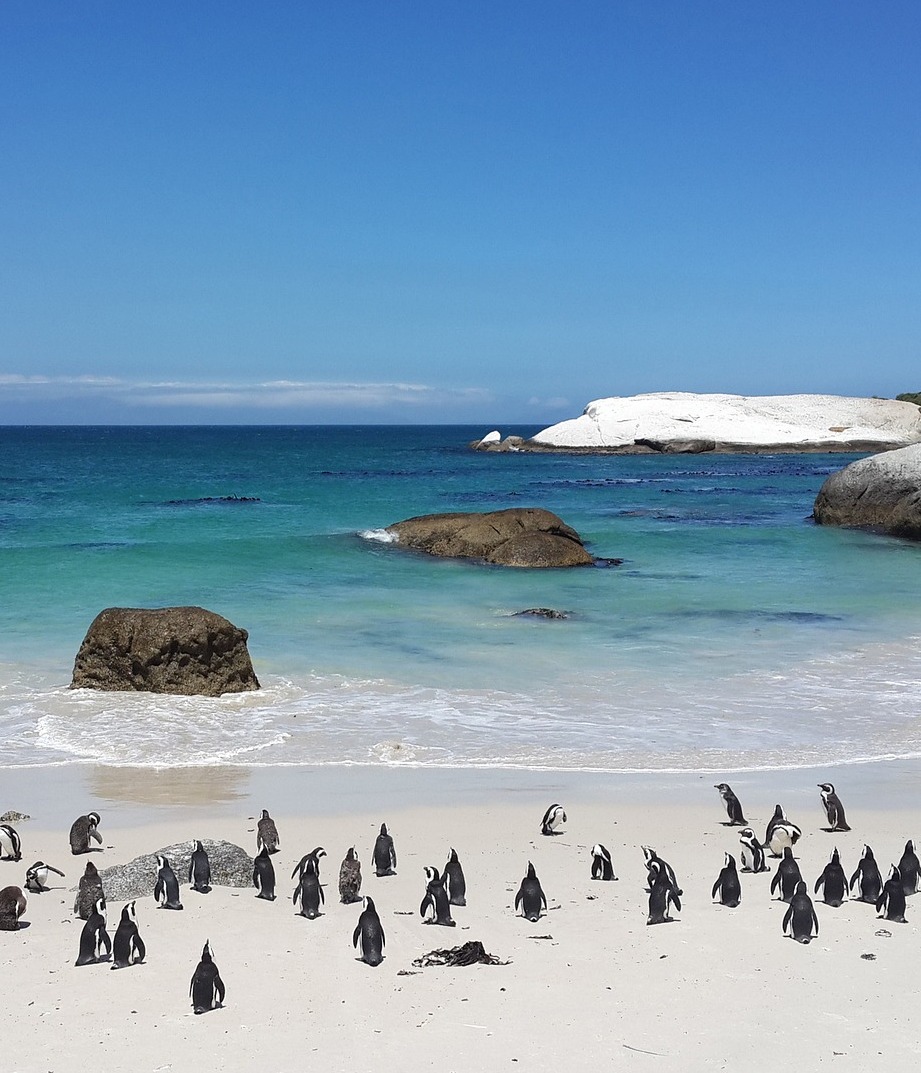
<point x="555" y="402"/>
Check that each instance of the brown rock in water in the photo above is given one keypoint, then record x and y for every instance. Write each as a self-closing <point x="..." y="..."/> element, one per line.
<point x="882" y="492"/>
<point x="183" y="650"/>
<point x="521" y="536"/>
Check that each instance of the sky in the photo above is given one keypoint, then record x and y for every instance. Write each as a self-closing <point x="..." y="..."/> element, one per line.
<point x="453" y="212"/>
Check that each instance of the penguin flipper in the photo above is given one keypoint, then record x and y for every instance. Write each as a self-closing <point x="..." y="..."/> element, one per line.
<point x="788" y="916"/>
<point x="815" y="920"/>
<point x="518" y="898"/>
<point x="105" y="941"/>
<point x="140" y="950"/>
<point x="775" y="881"/>
<point x="676" y="901"/>
<point x="159" y="889"/>
<point x="716" y="887"/>
<point x="355" y="935"/>
<point x="219" y="989"/>
<point x="426" y="902"/>
<point x="818" y="883"/>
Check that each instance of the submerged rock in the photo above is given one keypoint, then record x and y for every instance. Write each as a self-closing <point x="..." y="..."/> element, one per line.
<point x="541" y="612"/>
<point x="231" y="866"/>
<point x="881" y="492"/>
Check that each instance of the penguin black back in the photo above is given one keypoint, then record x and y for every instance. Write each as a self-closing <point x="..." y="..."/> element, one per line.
<point x="662" y="894"/>
<point x="264" y="875"/>
<point x="454" y="880"/>
<point x="867" y="872"/>
<point x="95" y="944"/>
<point x="308" y="894"/>
<point x="786" y="877"/>
<point x="727" y="883"/>
<point x="800" y="921"/>
<point x="200" y="870"/>
<point x="385" y="855"/>
<point x="207" y="988"/>
<point x="12" y="906"/>
<point x="554" y="817"/>
<point x="368" y="937"/>
<point x="602" y="867"/>
<point x="166" y="887"/>
<point x="832" y="881"/>
<point x="834" y="810"/>
<point x="435" y="907"/>
<point x="530" y="897"/>
<point x="909" y="869"/>
<point x="892" y="898"/>
<point x="128" y="946"/>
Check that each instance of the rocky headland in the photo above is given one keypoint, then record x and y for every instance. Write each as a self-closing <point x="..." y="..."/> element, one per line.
<point x="882" y="492"/>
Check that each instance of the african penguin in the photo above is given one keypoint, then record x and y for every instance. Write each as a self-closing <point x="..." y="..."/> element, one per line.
<point x="128" y="946"/>
<point x="733" y="808"/>
<point x="780" y="832"/>
<point x="553" y="817"/>
<point x="530" y="897"/>
<point x="37" y="877"/>
<point x="368" y="937"/>
<point x="166" y="888"/>
<point x="800" y="919"/>
<point x="83" y="831"/>
<point x="95" y="944"/>
<point x="654" y="863"/>
<point x="435" y="907"/>
<point x="350" y="878"/>
<point x="12" y="906"/>
<point x="786" y="877"/>
<point x="385" y="856"/>
<point x="309" y="893"/>
<point x="867" y="872"/>
<point x="892" y="898"/>
<point x="264" y="875"/>
<point x="454" y="881"/>
<point x="752" y="852"/>
<point x="727" y="883"/>
<point x="834" y="810"/>
<point x="200" y="869"/>
<point x="89" y="891"/>
<point x="602" y="868"/>
<point x="10" y="843"/>
<point x="309" y="860"/>
<point x="267" y="833"/>
<point x="207" y="988"/>
<point x="909" y="869"/>
<point x="662" y="893"/>
<point x="832" y="881"/>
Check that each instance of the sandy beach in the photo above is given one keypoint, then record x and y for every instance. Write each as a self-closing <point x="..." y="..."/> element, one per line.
<point x="717" y="989"/>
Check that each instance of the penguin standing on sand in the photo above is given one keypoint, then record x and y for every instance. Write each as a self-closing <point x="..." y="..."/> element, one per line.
<point x="350" y="878"/>
<point x="435" y="907"/>
<point x="655" y="864"/>
<point x="780" y="833"/>
<point x="12" y="906"/>
<point x="37" y="877"/>
<point x="752" y="853"/>
<point x="834" y="810"/>
<point x="368" y="937"/>
<point x="530" y="897"/>
<point x="733" y="808"/>
<point x="200" y="870"/>
<point x="786" y="877"/>
<point x="892" y="898"/>
<point x="727" y="883"/>
<point x="10" y="843"/>
<point x="662" y="894"/>
<point x="83" y="831"/>
<point x="602" y="868"/>
<point x="553" y="818"/>
<point x="385" y="856"/>
<point x="867" y="872"/>
<point x="308" y="893"/>
<point x="800" y="919"/>
<point x="267" y="834"/>
<point x="166" y="888"/>
<point x="833" y="882"/>
<point x="909" y="869"/>
<point x="207" y="988"/>
<point x="128" y="946"/>
<point x="309" y="860"/>
<point x="95" y="944"/>
<point x="89" y="891"/>
<point x="454" y="881"/>
<point x="264" y="875"/>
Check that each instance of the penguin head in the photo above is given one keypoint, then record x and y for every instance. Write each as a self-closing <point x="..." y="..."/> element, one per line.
<point x="835" y="857"/>
<point x="384" y="829"/>
<point x="826" y="787"/>
<point x="730" y="861"/>
<point x="94" y="818"/>
<point x="431" y="873"/>
<point x="452" y="857"/>
<point x="909" y="846"/>
<point x="90" y="869"/>
<point x="199" y="847"/>
<point x="867" y="854"/>
<point x="801" y="887"/>
<point x="264" y="852"/>
<point x="531" y="873"/>
<point x="895" y="876"/>
<point x="723" y="787"/>
<point x="128" y="913"/>
<point x="162" y="861"/>
<point x="206" y="951"/>
<point x="747" y="835"/>
<point x="317" y="853"/>
<point x="350" y="856"/>
<point x="599" y="851"/>
<point x="265" y="814"/>
<point x="788" y="853"/>
<point x="100" y="906"/>
<point x="367" y="902"/>
<point x="779" y="813"/>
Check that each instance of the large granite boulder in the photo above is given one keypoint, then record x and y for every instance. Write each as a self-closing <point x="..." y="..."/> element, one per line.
<point x="521" y="536"/>
<point x="184" y="650"/>
<point x="231" y="866"/>
<point x="880" y="492"/>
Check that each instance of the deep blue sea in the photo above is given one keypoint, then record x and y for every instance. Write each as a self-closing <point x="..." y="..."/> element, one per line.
<point x="736" y="634"/>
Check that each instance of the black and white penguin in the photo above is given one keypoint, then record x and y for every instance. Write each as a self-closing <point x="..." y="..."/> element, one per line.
<point x="786" y="877"/>
<point x="662" y="893"/>
<point x="654" y="864"/>
<point x="909" y="869"/>
<point x="83" y="831"/>
<point x="207" y="988"/>
<point x="264" y="875"/>
<point x="89" y="891"/>
<point x="166" y="888"/>
<point x="530" y="897"/>
<point x="733" y="808"/>
<point x="37" y="877"/>
<point x="892" y="898"/>
<point x="368" y="937"/>
<point x="12" y="906"/>
<point x="833" y="882"/>
<point x="95" y="944"/>
<point x="267" y="834"/>
<point x="350" y="878"/>
<point x="780" y="832"/>
<point x="308" y="894"/>
<point x="200" y="870"/>
<point x="385" y="856"/>
<point x="800" y="919"/>
<point x="752" y="852"/>
<point x="727" y="884"/>
<point x="309" y="860"/>
<point x="867" y="872"/>
<point x="435" y="907"/>
<point x="10" y="843"/>
<point x="128" y="946"/>
<point x="553" y="818"/>
<point x="834" y="810"/>
<point x="454" y="881"/>
<point x="602" y="868"/>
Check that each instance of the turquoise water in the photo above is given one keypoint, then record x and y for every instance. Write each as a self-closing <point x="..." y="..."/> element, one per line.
<point x="735" y="634"/>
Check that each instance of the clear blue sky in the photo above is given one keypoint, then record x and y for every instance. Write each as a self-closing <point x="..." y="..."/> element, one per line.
<point x="454" y="211"/>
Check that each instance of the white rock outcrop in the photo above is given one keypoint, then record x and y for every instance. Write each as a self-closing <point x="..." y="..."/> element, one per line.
<point x="684" y="419"/>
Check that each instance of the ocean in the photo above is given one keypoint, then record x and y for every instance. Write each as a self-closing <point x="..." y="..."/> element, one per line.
<point x="736" y="635"/>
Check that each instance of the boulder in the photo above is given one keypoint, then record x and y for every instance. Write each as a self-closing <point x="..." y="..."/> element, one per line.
<point x="183" y="650"/>
<point x="881" y="492"/>
<point x="231" y="866"/>
<point x="520" y="536"/>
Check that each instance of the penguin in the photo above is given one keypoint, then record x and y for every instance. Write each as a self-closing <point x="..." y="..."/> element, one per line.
<point x="780" y="832"/>
<point x="207" y="988"/>
<point x="10" y="843"/>
<point x="89" y="891"/>
<point x="662" y="894"/>
<point x="128" y="946"/>
<point x="553" y="817"/>
<point x="867" y="872"/>
<point x="37" y="877"/>
<point x="752" y="852"/>
<point x="385" y="856"/>
<point x="800" y="918"/>
<point x="308" y="891"/>
<point x="200" y="870"/>
<point x="602" y="868"/>
<point x="369" y="934"/>
<point x="786" y="877"/>
<point x="267" y="833"/>
<point x="435" y="907"/>
<point x="83" y="831"/>
<point x="909" y="869"/>
<point x="350" y="878"/>
<point x="264" y="875"/>
<point x="311" y="859"/>
<point x="654" y="863"/>
<point x="733" y="808"/>
<point x="833" y="808"/>
<point x="727" y="883"/>
<point x="892" y="898"/>
<point x="166" y="888"/>
<point x="832" y="881"/>
<point x="454" y="881"/>
<point x="530" y="897"/>
<point x="12" y="906"/>
<point x="95" y="944"/>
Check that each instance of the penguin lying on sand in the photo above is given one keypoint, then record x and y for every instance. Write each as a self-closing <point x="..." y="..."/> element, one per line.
<point x="37" y="877"/>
